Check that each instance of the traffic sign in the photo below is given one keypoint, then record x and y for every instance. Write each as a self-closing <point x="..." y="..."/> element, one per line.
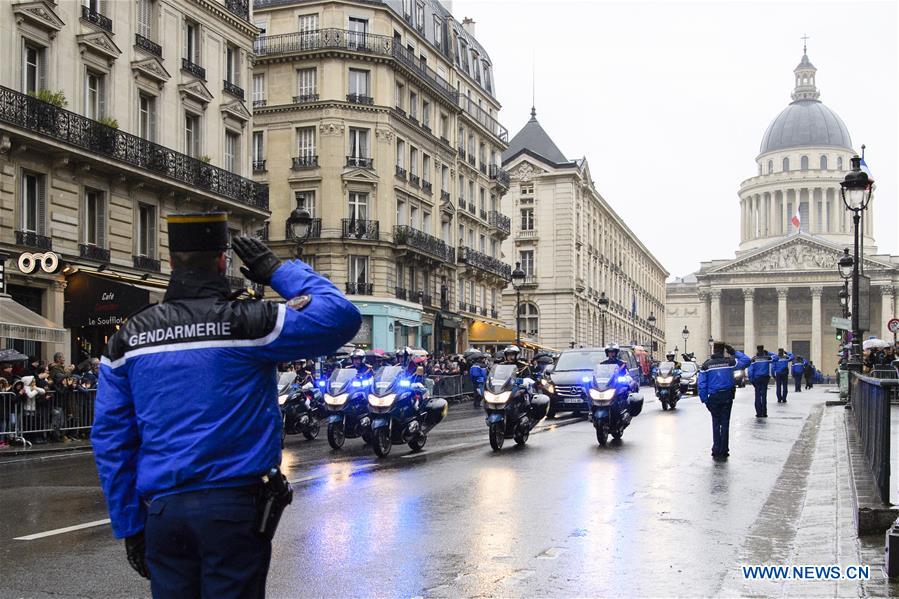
<point x="843" y="323"/>
<point x="893" y="326"/>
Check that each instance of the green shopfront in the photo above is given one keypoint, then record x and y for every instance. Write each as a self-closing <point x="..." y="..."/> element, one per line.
<point x="388" y="324"/>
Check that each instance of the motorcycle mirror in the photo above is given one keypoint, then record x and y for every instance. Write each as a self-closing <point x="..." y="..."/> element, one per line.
<point x="548" y="369"/>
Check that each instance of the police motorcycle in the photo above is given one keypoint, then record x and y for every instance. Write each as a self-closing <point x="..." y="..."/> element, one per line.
<point x="667" y="384"/>
<point x="614" y="404"/>
<point x="513" y="408"/>
<point x="401" y="411"/>
<point x="346" y="400"/>
<point x="304" y="410"/>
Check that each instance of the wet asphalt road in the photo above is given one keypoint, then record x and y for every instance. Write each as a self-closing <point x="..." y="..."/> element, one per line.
<point x="651" y="516"/>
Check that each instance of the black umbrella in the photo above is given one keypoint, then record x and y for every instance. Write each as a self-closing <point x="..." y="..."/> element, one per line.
<point x="12" y="355"/>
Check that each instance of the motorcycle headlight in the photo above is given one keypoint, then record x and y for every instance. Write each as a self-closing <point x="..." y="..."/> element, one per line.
<point x="549" y="386"/>
<point x="598" y="395"/>
<point x="499" y="398"/>
<point x="282" y="399"/>
<point x="738" y="374"/>
<point x="664" y="380"/>
<point x="336" y="400"/>
<point x="381" y="401"/>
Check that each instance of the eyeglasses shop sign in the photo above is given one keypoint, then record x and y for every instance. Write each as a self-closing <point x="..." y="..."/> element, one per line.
<point x="30" y="262"/>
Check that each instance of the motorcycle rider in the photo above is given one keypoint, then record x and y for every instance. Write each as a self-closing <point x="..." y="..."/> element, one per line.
<point x="510" y="356"/>
<point x="357" y="361"/>
<point x="612" y="352"/>
<point x="759" y="374"/>
<point x="780" y="369"/>
<point x="478" y="375"/>
<point x="716" y="390"/>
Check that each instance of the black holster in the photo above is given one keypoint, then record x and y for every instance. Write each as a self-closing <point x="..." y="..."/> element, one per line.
<point x="274" y="495"/>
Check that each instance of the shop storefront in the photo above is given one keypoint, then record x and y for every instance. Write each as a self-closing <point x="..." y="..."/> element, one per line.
<point x="489" y="337"/>
<point x="447" y="333"/>
<point x="389" y="324"/>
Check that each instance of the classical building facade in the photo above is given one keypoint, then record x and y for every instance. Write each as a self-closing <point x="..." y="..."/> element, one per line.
<point x="574" y="249"/>
<point x="782" y="288"/>
<point x="112" y="115"/>
<point x="379" y="118"/>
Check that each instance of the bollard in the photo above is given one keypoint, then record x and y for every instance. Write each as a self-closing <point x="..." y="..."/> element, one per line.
<point x="891" y="551"/>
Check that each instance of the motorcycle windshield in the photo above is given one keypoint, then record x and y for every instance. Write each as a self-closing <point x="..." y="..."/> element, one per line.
<point x="606" y="375"/>
<point x="386" y="379"/>
<point x="285" y="380"/>
<point x="340" y="380"/>
<point x="688" y="368"/>
<point x="500" y="374"/>
<point x="666" y="368"/>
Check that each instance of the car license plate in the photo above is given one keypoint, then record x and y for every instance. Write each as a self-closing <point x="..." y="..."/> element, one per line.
<point x="573" y="400"/>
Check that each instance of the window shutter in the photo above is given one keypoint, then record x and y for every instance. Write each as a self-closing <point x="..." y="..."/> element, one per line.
<point x="151" y="227"/>
<point x="42" y="68"/>
<point x="41" y="205"/>
<point x="143" y="18"/>
<point x="151" y="108"/>
<point x="101" y="96"/>
<point x="101" y="220"/>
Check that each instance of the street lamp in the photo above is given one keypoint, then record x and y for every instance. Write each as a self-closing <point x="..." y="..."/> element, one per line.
<point x="845" y="264"/>
<point x="518" y="277"/>
<point x="686" y="335"/>
<point x="652" y="323"/>
<point x="844" y="298"/>
<point x="603" y="308"/>
<point x="856" y="190"/>
<point x="300" y="224"/>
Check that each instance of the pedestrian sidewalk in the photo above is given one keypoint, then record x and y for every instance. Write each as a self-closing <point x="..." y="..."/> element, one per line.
<point x="18" y="449"/>
<point x="809" y="519"/>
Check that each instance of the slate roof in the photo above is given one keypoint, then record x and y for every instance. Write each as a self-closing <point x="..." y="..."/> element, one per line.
<point x="534" y="139"/>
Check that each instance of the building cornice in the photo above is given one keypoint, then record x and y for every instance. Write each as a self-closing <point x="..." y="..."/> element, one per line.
<point x="223" y="14"/>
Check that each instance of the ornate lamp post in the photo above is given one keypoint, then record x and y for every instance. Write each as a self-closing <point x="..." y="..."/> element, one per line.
<point x="518" y="277"/>
<point x="856" y="190"/>
<point x="652" y="323"/>
<point x="686" y="335"/>
<point x="300" y="223"/>
<point x="603" y="308"/>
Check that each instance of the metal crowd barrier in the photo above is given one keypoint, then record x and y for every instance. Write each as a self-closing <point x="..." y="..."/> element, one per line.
<point x="54" y="413"/>
<point x="452" y="387"/>
<point x="871" y="403"/>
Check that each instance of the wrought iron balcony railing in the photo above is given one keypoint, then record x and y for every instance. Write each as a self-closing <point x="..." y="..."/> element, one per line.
<point x="90" y="251"/>
<point x="500" y="176"/>
<point x="193" y="68"/>
<point x="81" y="132"/>
<point x="471" y="160"/>
<point x="95" y="17"/>
<point x="400" y="292"/>
<point x="427" y="187"/>
<point x="414" y="180"/>
<point x="461" y="152"/>
<point x="360" y="161"/>
<point x="301" y="162"/>
<point x="355" y="288"/>
<point x="241" y="8"/>
<point x="472" y="308"/>
<point x="530" y="279"/>
<point x="461" y="306"/>
<point x="400" y="172"/>
<point x="444" y="195"/>
<point x="147" y="45"/>
<point x="259" y="103"/>
<point x="483" y="311"/>
<point x="315" y="230"/>
<point x="485" y="263"/>
<point x="444" y="303"/>
<point x="494" y="313"/>
<point x="233" y="89"/>
<point x="147" y="263"/>
<point x="499" y="220"/>
<point x="482" y="167"/>
<point x="33" y="240"/>
<point x="302" y="99"/>
<point x="472" y="209"/>
<point x="360" y="99"/>
<point x="355" y="228"/>
<point x="483" y="214"/>
<point x="259" y="166"/>
<point x="490" y="124"/>
<point x="423" y="242"/>
<point x="426" y="300"/>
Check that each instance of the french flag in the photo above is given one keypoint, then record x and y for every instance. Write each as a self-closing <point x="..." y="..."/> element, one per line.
<point x="866" y="170"/>
<point x="797" y="220"/>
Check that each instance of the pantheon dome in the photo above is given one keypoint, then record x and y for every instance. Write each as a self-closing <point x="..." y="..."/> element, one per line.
<point x="804" y="155"/>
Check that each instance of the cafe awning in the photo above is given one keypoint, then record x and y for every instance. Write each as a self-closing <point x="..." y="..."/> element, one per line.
<point x="482" y="332"/>
<point x="18" y="322"/>
<point x="95" y="300"/>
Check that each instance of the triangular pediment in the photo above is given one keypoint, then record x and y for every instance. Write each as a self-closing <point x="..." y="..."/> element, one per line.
<point x="196" y="90"/>
<point x="237" y="110"/>
<point x="800" y="252"/>
<point x="101" y="43"/>
<point x="152" y="69"/>
<point x="359" y="175"/>
<point x="40" y="14"/>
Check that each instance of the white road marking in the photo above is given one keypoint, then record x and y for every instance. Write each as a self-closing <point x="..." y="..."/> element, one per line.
<point x="446" y="449"/>
<point x="59" y="531"/>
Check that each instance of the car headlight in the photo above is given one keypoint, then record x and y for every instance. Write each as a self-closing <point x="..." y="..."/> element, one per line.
<point x="381" y="401"/>
<point x="497" y="397"/>
<point x="549" y="386"/>
<point x="598" y="395"/>
<point x="664" y="380"/>
<point x="336" y="400"/>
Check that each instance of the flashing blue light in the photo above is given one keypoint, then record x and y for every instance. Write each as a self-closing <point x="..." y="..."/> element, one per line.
<point x="322" y="384"/>
<point x="585" y="379"/>
<point x="405" y="383"/>
<point x="357" y="383"/>
<point x="624" y="379"/>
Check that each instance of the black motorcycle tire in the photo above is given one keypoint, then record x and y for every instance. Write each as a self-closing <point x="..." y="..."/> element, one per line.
<point x="664" y="406"/>
<point x="550" y="414"/>
<point x="336" y="435"/>
<point x="602" y="433"/>
<point x="312" y="432"/>
<point x="673" y="404"/>
<point x="382" y="443"/>
<point x="417" y="442"/>
<point x="521" y="437"/>
<point x="497" y="435"/>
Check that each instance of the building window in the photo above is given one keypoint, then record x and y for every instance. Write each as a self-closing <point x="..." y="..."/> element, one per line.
<point x="482" y="244"/>
<point x="786" y="164"/>
<point x="357" y="268"/>
<point x="146" y="231"/>
<point x="413" y="217"/>
<point x="488" y="79"/>
<point x="356" y="38"/>
<point x="306" y="83"/>
<point x="34" y="202"/>
<point x="94" y="218"/>
<point x="398" y="95"/>
<point x="94" y="95"/>
<point x="400" y="153"/>
<point x="146" y="108"/>
<point x="358" y="83"/>
<point x="482" y="204"/>
<point x="400" y="212"/>
<point x="425" y="168"/>
<point x="527" y="261"/>
<point x="413" y="105"/>
<point x="358" y="206"/>
<point x="192" y="42"/>
<point x="145" y="18"/>
<point x="306" y="201"/>
<point x="232" y="64"/>
<point x="803" y="163"/>
<point x="33" y="69"/>
<point x="444" y="126"/>
<point x="192" y="135"/>
<point x="259" y="90"/>
<point x="839" y="163"/>
<point x="426" y="221"/>
<point x="232" y="152"/>
<point x="413" y="160"/>
<point x="444" y="178"/>
<point x="426" y="114"/>
<point x="770" y="166"/>
<point x="527" y="219"/>
<point x="358" y="143"/>
<point x="823" y="162"/>
<point x="530" y="320"/>
<point x="258" y="147"/>
<point x="420" y="14"/>
<point x="306" y="144"/>
<point x="438" y="32"/>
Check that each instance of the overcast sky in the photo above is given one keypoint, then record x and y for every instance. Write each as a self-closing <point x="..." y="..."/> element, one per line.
<point x="669" y="100"/>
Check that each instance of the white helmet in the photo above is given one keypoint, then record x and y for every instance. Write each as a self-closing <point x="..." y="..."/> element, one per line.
<point x="512" y="349"/>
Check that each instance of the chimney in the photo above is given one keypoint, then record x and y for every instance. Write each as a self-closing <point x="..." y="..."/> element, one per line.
<point x="468" y="25"/>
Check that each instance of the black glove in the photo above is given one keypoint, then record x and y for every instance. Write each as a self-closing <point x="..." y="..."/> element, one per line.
<point x="260" y="262"/>
<point x="730" y="350"/>
<point x="136" y="548"/>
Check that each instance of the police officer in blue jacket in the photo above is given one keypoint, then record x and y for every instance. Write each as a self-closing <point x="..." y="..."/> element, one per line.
<point x="716" y="390"/>
<point x="478" y="375"/>
<point x="797" y="370"/>
<point x="780" y="367"/>
<point x="759" y="373"/>
<point x="183" y="475"/>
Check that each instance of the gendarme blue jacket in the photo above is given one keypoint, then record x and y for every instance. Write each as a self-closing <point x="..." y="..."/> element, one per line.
<point x="760" y="367"/>
<point x="717" y="374"/>
<point x="152" y="437"/>
<point x="780" y="365"/>
<point x="478" y="376"/>
<point x="798" y="368"/>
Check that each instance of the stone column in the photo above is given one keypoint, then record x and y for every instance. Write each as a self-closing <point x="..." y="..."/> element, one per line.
<point x="783" y="212"/>
<point x="716" y="329"/>
<point x="782" y="317"/>
<point x="748" y="321"/>
<point x="886" y="312"/>
<point x="816" y="325"/>
<point x="812" y="212"/>
<point x="54" y="304"/>
<point x="704" y="320"/>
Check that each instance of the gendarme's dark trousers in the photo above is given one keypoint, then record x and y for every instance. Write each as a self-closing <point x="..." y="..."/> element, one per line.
<point x="798" y="381"/>
<point x="761" y="395"/>
<point x="719" y="406"/>
<point x="202" y="544"/>
<point x="782" y="382"/>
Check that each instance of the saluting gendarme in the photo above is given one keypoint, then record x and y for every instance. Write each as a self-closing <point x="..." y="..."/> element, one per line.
<point x="183" y="474"/>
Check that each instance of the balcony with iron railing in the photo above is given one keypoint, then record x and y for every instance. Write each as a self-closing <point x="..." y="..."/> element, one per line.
<point x="147" y="263"/>
<point x="482" y="118"/>
<point x="193" y="68"/>
<point x="482" y="213"/>
<point x="301" y="162"/>
<point x="472" y="209"/>
<point x="499" y="176"/>
<point x="400" y="292"/>
<point x="49" y="121"/>
<point x="259" y="166"/>
<point x="494" y="313"/>
<point x="427" y="187"/>
<point x="444" y="303"/>
<point x="530" y="279"/>
<point x="357" y="228"/>
<point x="241" y="8"/>
<point x="444" y="195"/>
<point x="462" y="306"/>
<point x="303" y="98"/>
<point x="472" y="308"/>
<point x="426" y="300"/>
<point x="315" y="230"/>
<point x="485" y="263"/>
<point x="482" y="167"/>
<point x="356" y="288"/>
<point x="400" y="172"/>
<point x="471" y="160"/>
<point x="147" y="45"/>
<point x="259" y="103"/>
<point x="414" y="180"/>
<point x="33" y="240"/>
<point x="89" y="251"/>
<point x="233" y="89"/>
<point x="360" y="99"/>
<point x="500" y="221"/>
<point x="423" y="242"/>
<point x="360" y="161"/>
<point x="97" y="18"/>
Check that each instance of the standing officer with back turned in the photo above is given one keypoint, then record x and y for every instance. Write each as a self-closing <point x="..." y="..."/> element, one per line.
<point x="759" y="373"/>
<point x="183" y="477"/>
<point x="716" y="390"/>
